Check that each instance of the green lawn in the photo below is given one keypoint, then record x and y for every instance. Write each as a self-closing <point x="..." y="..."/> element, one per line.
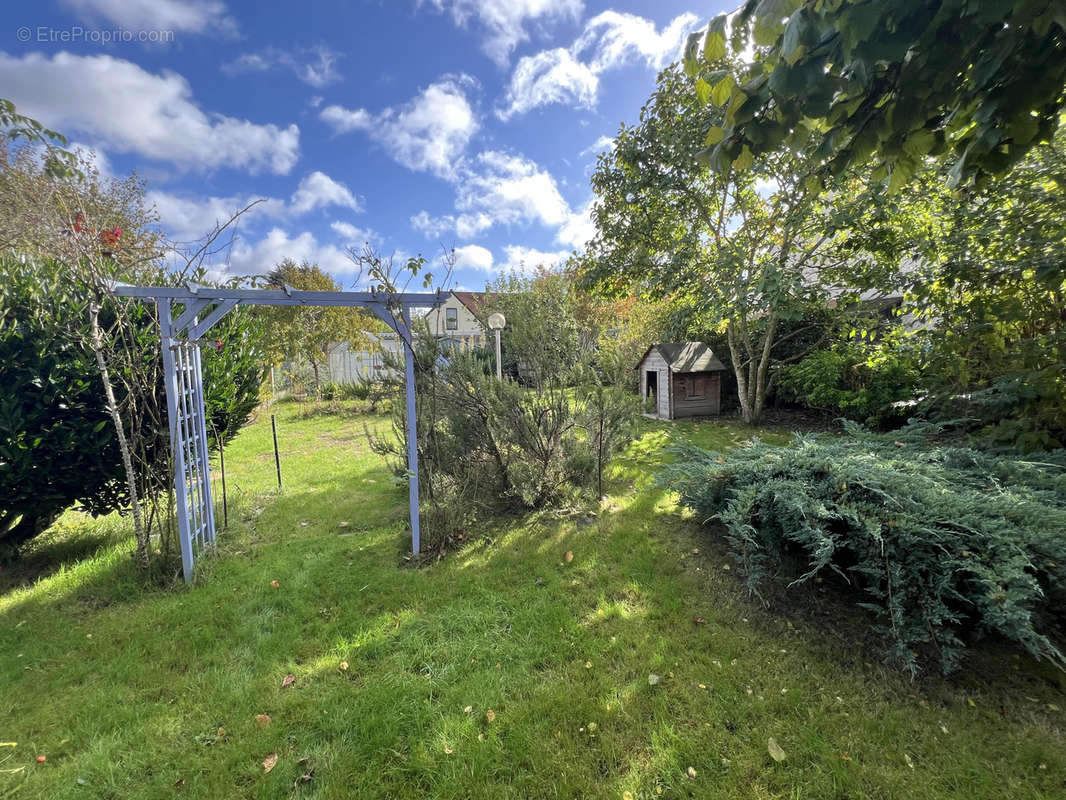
<point x="140" y="692"/>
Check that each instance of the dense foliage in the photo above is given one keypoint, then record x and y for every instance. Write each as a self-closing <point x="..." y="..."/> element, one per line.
<point x="853" y="379"/>
<point x="975" y="82"/>
<point x="57" y="446"/>
<point x="938" y="541"/>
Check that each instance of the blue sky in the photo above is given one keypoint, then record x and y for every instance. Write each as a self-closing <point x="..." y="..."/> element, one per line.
<point x="413" y="124"/>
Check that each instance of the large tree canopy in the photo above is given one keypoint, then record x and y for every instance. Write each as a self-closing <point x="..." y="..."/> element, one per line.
<point x="978" y="82"/>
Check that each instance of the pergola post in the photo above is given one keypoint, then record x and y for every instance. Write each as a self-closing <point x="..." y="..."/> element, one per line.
<point x="412" y="432"/>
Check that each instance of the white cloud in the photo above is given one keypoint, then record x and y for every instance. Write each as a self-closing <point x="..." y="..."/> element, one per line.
<point x="191" y="16"/>
<point x="578" y="228"/>
<point x="550" y="76"/>
<point x="507" y="189"/>
<point x="608" y="41"/>
<point x="598" y="146"/>
<point x="505" y="20"/>
<point x="429" y="133"/>
<point x="316" y="66"/>
<point x="131" y="110"/>
<point x="318" y="190"/>
<point x="247" y="258"/>
<point x="351" y="234"/>
<point x="616" y="38"/>
<point x="527" y="259"/>
<point x="473" y="256"/>
<point x="187" y="218"/>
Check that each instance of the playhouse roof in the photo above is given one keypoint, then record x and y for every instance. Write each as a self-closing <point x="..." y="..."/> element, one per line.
<point x="686" y="356"/>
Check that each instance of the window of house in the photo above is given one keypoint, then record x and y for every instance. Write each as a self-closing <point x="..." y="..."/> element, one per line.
<point x="451" y="318"/>
<point x="695" y="387"/>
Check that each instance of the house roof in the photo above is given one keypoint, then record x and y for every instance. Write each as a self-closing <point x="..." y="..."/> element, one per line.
<point x="686" y="356"/>
<point x="475" y="302"/>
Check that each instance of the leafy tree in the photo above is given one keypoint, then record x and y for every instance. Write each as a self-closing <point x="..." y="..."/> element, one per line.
<point x="975" y="82"/>
<point x="308" y="333"/>
<point x="988" y="283"/>
<point x="749" y="249"/>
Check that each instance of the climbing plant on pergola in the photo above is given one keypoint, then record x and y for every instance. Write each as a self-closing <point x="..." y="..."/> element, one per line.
<point x="186" y="314"/>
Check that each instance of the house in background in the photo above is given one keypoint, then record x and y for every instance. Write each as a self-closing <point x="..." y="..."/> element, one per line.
<point x="459" y="320"/>
<point x="681" y="379"/>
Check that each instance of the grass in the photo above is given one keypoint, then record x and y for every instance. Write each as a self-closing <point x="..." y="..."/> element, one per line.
<point x="133" y="691"/>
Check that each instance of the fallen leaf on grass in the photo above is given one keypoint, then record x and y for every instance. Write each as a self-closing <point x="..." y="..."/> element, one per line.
<point x="774" y="749"/>
<point x="9" y="744"/>
<point x="274" y="584"/>
<point x="343" y="666"/>
<point x="588" y="665"/>
<point x="971" y="703"/>
<point x="269" y="762"/>
<point x="653" y="679"/>
<point x="468" y="709"/>
<point x="447" y="751"/>
<point x="288" y="679"/>
<point x="699" y="620"/>
<point x="907" y="758"/>
<point x="691" y="772"/>
<point x="41" y="759"/>
<point x="262" y="719"/>
<point x="569" y="556"/>
<point x="490" y="715"/>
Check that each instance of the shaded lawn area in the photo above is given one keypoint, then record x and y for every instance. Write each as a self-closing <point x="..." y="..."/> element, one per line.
<point x="142" y="692"/>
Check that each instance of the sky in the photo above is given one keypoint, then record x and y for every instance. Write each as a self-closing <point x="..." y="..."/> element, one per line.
<point x="415" y="125"/>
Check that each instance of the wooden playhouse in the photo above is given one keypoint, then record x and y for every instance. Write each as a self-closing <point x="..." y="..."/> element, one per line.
<point x="681" y="379"/>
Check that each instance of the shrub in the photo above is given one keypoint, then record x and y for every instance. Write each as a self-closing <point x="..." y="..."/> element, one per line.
<point x="488" y="446"/>
<point x="57" y="442"/>
<point x="859" y="382"/>
<point x="936" y="540"/>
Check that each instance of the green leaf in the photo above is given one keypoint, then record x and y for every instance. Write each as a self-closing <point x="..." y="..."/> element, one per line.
<point x="722" y="90"/>
<point x="714" y="46"/>
<point x="714" y="136"/>
<point x="703" y="91"/>
<point x="744" y="160"/>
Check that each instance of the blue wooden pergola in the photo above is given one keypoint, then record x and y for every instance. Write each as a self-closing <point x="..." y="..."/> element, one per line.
<point x="186" y="314"/>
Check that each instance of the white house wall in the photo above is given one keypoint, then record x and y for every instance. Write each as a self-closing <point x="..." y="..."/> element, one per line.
<point x="468" y="331"/>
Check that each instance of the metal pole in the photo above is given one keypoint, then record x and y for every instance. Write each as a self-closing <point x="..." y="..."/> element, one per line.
<point x="412" y="433"/>
<point x="277" y="458"/>
<point x="499" y="360"/>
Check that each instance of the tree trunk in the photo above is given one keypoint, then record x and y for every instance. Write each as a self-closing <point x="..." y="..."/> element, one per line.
<point x="140" y="534"/>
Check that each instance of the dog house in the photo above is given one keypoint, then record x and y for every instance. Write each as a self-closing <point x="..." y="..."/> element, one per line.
<point x="681" y="379"/>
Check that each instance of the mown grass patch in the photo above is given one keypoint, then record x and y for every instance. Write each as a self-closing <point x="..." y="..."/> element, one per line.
<point x="138" y="692"/>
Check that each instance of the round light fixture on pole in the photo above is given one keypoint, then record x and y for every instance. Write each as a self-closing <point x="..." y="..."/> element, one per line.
<point x="497" y="322"/>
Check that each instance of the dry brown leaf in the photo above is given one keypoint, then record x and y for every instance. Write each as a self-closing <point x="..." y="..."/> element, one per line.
<point x="343" y="666"/>
<point x="274" y="584"/>
<point x="288" y="679"/>
<point x="775" y="751"/>
<point x="468" y="709"/>
<point x="490" y="715"/>
<point x="569" y="556"/>
<point x="691" y="772"/>
<point x="447" y="751"/>
<point x="269" y="762"/>
<point x="262" y="719"/>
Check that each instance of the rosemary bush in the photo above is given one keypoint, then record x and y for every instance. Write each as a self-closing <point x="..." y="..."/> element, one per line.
<point x="937" y="540"/>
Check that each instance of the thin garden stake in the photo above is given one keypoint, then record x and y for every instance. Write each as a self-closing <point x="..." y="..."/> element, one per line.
<point x="222" y="467"/>
<point x="277" y="458"/>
